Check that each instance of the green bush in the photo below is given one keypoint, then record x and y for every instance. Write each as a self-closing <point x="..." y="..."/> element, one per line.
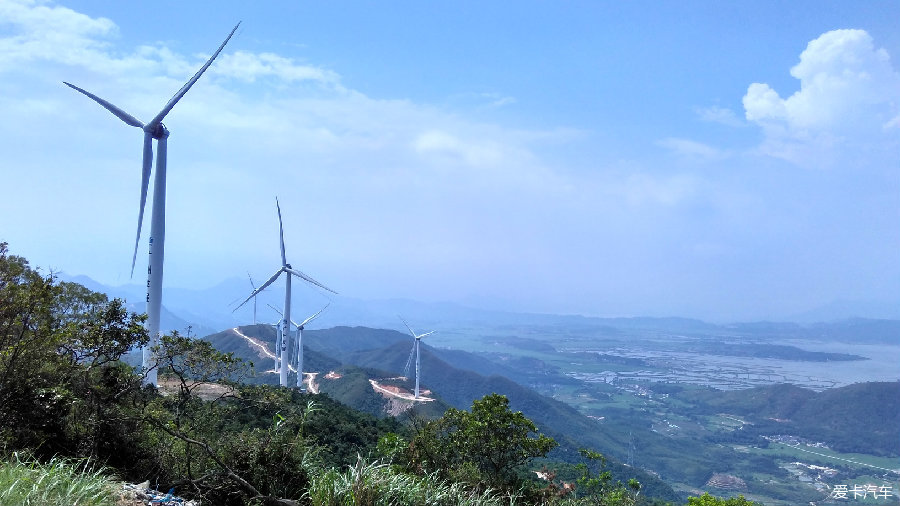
<point x="487" y="447"/>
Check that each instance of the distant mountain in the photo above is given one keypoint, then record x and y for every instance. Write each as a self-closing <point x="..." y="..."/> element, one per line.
<point x="362" y="353"/>
<point x="847" y="309"/>
<point x="182" y="308"/>
<point x="211" y="309"/>
<point x="862" y="417"/>
<point x="859" y="330"/>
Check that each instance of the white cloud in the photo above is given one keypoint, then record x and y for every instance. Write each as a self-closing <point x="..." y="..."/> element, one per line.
<point x="250" y="66"/>
<point x="692" y="149"/>
<point x="486" y="100"/>
<point x="44" y="32"/>
<point x="498" y="100"/>
<point x="721" y="115"/>
<point x="471" y="152"/>
<point x="849" y="93"/>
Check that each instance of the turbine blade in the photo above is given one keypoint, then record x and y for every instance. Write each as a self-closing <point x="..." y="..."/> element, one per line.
<point x="407" y="326"/>
<point x="280" y="233"/>
<point x="276" y="310"/>
<point x="122" y="115"/>
<point x="425" y="334"/>
<point x="251" y="281"/>
<point x="409" y="360"/>
<point x="261" y="288"/>
<point x="313" y="317"/>
<point x="184" y="89"/>
<point x="308" y="279"/>
<point x="145" y="183"/>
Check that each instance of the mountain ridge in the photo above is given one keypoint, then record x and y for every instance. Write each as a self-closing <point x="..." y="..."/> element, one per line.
<point x="210" y="309"/>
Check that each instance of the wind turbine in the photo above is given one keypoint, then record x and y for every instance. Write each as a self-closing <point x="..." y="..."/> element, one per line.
<point x="299" y="341"/>
<point x="286" y="320"/>
<point x="417" y="339"/>
<point x="300" y="345"/>
<point x="277" y="326"/>
<point x="254" y="297"/>
<point x="155" y="129"/>
<point x="278" y="336"/>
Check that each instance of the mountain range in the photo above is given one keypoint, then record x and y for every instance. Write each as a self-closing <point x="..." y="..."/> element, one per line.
<point x="210" y="310"/>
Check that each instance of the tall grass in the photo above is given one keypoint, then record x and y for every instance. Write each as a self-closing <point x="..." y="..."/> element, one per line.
<point x="60" y="482"/>
<point x="375" y="483"/>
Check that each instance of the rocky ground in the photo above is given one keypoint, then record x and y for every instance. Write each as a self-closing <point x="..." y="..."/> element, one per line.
<point x="142" y="495"/>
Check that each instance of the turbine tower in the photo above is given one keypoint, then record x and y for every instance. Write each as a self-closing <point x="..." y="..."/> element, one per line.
<point x="300" y="346"/>
<point x="299" y="342"/>
<point x="252" y="285"/>
<point x="417" y="338"/>
<point x="155" y="129"/>
<point x="279" y="337"/>
<point x="277" y="327"/>
<point x="286" y="319"/>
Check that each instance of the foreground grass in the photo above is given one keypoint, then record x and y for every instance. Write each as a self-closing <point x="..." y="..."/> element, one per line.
<point x="376" y="483"/>
<point x="57" y="483"/>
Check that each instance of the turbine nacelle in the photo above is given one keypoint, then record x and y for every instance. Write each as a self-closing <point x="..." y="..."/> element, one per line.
<point x="157" y="131"/>
<point x="417" y="337"/>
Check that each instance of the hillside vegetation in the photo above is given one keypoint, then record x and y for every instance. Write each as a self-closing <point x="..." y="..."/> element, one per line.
<point x="377" y="353"/>
<point x="65" y="393"/>
<point x="689" y="456"/>
<point x="858" y="418"/>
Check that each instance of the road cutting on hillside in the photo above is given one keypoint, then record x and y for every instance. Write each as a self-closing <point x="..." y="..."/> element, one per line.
<point x="396" y="392"/>
<point x="310" y="377"/>
<point x="263" y="348"/>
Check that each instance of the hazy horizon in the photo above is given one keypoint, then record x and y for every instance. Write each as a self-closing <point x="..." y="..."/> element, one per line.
<point x="237" y="288"/>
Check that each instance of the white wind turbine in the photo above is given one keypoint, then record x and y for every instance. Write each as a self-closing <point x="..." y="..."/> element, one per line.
<point x="252" y="285"/>
<point x="300" y="345"/>
<point x="286" y="319"/>
<point x="279" y="337"/>
<point x="154" y="130"/>
<point x="417" y="338"/>
<point x="277" y="326"/>
<point x="299" y="342"/>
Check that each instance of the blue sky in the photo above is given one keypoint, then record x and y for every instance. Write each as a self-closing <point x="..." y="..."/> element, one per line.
<point x="720" y="160"/>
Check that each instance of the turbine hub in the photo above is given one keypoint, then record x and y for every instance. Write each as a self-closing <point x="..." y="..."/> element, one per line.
<point x="159" y="131"/>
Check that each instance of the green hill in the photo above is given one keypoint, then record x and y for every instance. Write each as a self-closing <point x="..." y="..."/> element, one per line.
<point x="564" y="423"/>
<point x="228" y="341"/>
<point x="359" y="353"/>
<point x="860" y="418"/>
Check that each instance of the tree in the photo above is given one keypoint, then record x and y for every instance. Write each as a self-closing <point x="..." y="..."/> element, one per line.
<point x="60" y="374"/>
<point x="709" y="500"/>
<point x="484" y="447"/>
<point x="596" y="487"/>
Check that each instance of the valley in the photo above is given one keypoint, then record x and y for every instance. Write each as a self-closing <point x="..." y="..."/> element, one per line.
<point x="653" y="389"/>
<point x="780" y="419"/>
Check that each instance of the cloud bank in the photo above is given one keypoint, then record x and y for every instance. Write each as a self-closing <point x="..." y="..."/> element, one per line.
<point x="848" y="99"/>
